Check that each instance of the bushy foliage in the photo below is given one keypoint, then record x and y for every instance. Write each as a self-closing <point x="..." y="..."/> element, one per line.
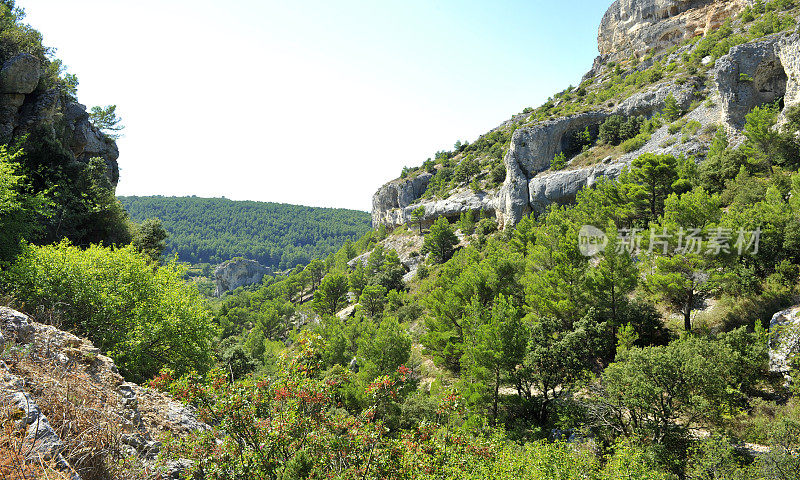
<point x="257" y="424"/>
<point x="144" y="318"/>
<point x="19" y="211"/>
<point x="440" y="241"/>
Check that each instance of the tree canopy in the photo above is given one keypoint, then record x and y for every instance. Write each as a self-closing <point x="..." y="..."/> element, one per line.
<point x="212" y="230"/>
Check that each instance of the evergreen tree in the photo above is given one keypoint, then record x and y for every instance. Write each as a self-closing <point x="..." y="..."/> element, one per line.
<point x="440" y="241"/>
<point x="656" y="174"/>
<point x="331" y="294"/>
<point x="150" y="239"/>
<point x="417" y="216"/>
<point x="672" y="111"/>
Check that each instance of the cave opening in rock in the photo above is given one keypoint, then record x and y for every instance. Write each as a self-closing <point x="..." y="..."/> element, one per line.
<point x="769" y="83"/>
<point x="574" y="140"/>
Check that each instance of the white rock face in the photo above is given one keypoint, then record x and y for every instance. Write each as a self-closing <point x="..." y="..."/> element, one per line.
<point x="640" y="26"/>
<point x="238" y="272"/>
<point x="751" y="74"/>
<point x="784" y="339"/>
<point x="397" y="195"/>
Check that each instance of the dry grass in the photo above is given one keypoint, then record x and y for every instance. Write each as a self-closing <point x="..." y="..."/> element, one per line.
<point x="594" y="155"/>
<point x="13" y="450"/>
<point x="80" y="403"/>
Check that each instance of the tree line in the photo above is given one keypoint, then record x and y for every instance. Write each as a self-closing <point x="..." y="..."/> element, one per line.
<point x="213" y="230"/>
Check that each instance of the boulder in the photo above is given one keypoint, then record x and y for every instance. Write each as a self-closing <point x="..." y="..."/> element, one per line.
<point x="20" y="74"/>
<point x="15" y="325"/>
<point x="239" y="272"/>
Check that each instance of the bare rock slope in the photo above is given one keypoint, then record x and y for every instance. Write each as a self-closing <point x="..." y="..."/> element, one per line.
<point x="751" y="74"/>
<point x="72" y="408"/>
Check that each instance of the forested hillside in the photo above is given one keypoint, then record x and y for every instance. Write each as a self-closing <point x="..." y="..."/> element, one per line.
<point x="212" y="230"/>
<point x="625" y="305"/>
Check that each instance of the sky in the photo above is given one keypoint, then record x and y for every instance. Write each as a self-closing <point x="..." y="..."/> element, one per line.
<point x="309" y="102"/>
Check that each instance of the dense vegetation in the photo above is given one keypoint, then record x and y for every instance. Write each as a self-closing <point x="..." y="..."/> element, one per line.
<point x="514" y="354"/>
<point x="532" y="340"/>
<point x="144" y="317"/>
<point x="212" y="230"/>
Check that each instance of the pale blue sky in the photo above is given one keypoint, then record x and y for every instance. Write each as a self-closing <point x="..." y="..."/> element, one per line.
<point x="309" y="102"/>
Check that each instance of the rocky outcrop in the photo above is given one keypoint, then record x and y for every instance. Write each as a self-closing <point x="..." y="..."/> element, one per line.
<point x="48" y="370"/>
<point x="397" y="195"/>
<point x="750" y="75"/>
<point x="784" y="340"/>
<point x="20" y="74"/>
<point x="238" y="272"/>
<point x="562" y="187"/>
<point x="533" y="148"/>
<point x="26" y="108"/>
<point x="637" y="27"/>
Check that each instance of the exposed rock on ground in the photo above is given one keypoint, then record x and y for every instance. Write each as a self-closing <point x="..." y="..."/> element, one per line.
<point x="71" y="405"/>
<point x="407" y="247"/>
<point x="238" y="272"/>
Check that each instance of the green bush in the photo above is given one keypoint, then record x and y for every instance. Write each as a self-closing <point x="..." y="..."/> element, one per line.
<point x="145" y="318"/>
<point x="635" y="143"/>
<point x="559" y="162"/>
<point x="18" y="211"/>
<point x="675" y="127"/>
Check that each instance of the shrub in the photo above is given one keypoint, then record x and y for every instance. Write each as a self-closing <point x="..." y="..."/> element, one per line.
<point x="635" y="143"/>
<point x="675" y="127"/>
<point x="18" y="211"/>
<point x="499" y="173"/>
<point x="672" y="111"/>
<point x="559" y="161"/>
<point x="144" y="317"/>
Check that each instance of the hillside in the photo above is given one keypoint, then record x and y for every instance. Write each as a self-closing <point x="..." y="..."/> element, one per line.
<point x="604" y="287"/>
<point x="213" y="230"/>
<point x="713" y="60"/>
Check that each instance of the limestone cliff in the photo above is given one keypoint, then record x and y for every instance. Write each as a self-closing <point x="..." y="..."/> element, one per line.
<point x="26" y="108"/>
<point x="639" y="27"/>
<point x="647" y="56"/>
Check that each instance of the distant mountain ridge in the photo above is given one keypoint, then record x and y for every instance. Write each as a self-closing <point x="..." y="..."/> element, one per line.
<point x="213" y="230"/>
